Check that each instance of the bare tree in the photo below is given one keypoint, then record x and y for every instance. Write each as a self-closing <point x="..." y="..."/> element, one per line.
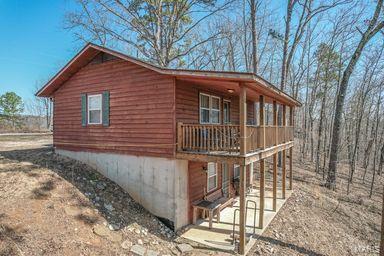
<point x="306" y="13"/>
<point x="374" y="26"/>
<point x="42" y="107"/>
<point x="382" y="227"/>
<point x="377" y="121"/>
<point x="253" y="9"/>
<point x="159" y="31"/>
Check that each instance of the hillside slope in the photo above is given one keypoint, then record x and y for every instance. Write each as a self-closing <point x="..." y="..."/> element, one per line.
<point x="54" y="206"/>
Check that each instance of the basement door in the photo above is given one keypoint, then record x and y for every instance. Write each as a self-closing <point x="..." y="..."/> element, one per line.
<point x="225" y="179"/>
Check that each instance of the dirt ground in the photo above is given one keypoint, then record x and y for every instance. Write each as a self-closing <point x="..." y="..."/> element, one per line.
<point x="50" y="205"/>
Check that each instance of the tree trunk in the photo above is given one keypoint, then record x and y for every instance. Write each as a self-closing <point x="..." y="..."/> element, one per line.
<point x="368" y="34"/>
<point x="376" y="144"/>
<point x="381" y="163"/>
<point x="254" y="35"/>
<point x="320" y="131"/>
<point x="382" y="227"/>
<point x="285" y="46"/>
<point x="367" y="155"/>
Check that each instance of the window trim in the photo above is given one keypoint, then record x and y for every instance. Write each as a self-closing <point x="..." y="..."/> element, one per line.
<point x="216" y="177"/>
<point x="89" y="109"/>
<point x="210" y="109"/>
<point x="217" y="110"/>
<point x="229" y="113"/>
<point x="204" y="108"/>
<point x="234" y="167"/>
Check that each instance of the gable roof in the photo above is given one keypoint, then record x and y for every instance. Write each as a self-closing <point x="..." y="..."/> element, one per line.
<point x="85" y="55"/>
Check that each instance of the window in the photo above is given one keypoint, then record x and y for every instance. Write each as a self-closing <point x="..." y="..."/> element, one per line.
<point x="227" y="112"/>
<point x="212" y="177"/>
<point x="257" y="113"/>
<point x="204" y="108"/>
<point x="209" y="109"/>
<point x="236" y="171"/>
<point x="94" y="109"/>
<point x="215" y="110"/>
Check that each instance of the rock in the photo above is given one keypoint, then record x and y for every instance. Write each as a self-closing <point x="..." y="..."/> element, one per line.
<point x="138" y="250"/>
<point x="155" y="242"/>
<point x="140" y="242"/>
<point x="114" y="227"/>
<point x="103" y="231"/>
<point x="109" y="207"/>
<point x="72" y="211"/>
<point x="100" y="230"/>
<point x="137" y="231"/>
<point x="183" y="248"/>
<point x="174" y="251"/>
<point x="152" y="253"/>
<point x="126" y="244"/>
<point x="101" y="186"/>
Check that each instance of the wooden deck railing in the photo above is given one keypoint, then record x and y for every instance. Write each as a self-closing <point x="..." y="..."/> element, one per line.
<point x="225" y="138"/>
<point x="201" y="137"/>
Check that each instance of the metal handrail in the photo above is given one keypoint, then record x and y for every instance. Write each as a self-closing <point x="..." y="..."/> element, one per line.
<point x="254" y="214"/>
<point x="233" y="226"/>
<point x="246" y="213"/>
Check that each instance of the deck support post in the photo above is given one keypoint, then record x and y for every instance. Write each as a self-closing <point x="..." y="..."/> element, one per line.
<point x="262" y="195"/>
<point x="262" y="164"/>
<point x="284" y="173"/>
<point x="179" y="136"/>
<point x="274" y="188"/>
<point x="243" y="169"/>
<point x="251" y="173"/>
<point x="291" y="123"/>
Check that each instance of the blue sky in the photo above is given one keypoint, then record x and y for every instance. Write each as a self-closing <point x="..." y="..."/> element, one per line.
<point x="34" y="43"/>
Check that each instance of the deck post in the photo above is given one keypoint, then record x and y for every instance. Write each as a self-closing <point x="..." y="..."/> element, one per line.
<point x="179" y="136"/>
<point x="243" y="172"/>
<point x="274" y="188"/>
<point x="291" y="123"/>
<point x="251" y="173"/>
<point x="284" y="155"/>
<point x="262" y="165"/>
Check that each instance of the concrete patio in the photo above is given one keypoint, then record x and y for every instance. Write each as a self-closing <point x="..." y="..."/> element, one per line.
<point x="220" y="236"/>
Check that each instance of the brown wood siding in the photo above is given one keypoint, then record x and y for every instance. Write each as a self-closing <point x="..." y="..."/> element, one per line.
<point x="197" y="182"/>
<point x="142" y="111"/>
<point x="187" y="103"/>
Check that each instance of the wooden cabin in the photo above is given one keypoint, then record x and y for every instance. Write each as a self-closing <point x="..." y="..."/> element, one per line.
<point x="172" y="138"/>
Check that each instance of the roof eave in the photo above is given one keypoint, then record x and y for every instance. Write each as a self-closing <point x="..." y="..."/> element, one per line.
<point x="201" y="74"/>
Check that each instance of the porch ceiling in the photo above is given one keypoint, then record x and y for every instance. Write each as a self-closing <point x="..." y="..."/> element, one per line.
<point x="233" y="158"/>
<point x="253" y="90"/>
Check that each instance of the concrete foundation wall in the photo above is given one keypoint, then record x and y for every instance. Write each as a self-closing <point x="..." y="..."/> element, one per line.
<point x="160" y="185"/>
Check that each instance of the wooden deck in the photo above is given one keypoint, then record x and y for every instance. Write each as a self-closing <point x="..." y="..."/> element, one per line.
<point x="221" y="143"/>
